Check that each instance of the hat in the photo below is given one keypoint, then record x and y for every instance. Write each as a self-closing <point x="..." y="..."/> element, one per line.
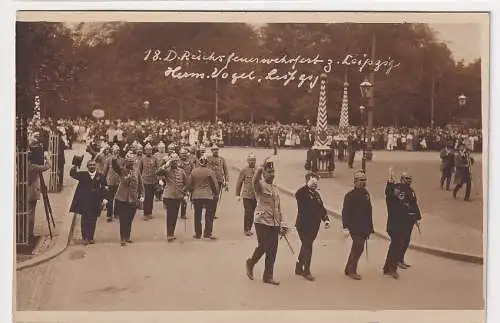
<point x="130" y="157"/>
<point x="311" y="174"/>
<point x="359" y="176"/>
<point x="214" y="147"/>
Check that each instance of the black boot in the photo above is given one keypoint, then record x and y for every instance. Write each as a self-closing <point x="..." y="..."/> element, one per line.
<point x="299" y="269"/>
<point x="249" y="267"/>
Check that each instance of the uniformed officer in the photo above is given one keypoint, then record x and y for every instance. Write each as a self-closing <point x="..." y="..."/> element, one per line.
<point x="112" y="180"/>
<point x="147" y="168"/>
<point x="248" y="194"/>
<point x="204" y="190"/>
<point x="357" y="219"/>
<point x="463" y="164"/>
<point x="176" y="183"/>
<point x="269" y="222"/>
<point x="403" y="214"/>
<point x="310" y="213"/>
<point x="218" y="165"/>
<point x="351" y="148"/>
<point x="447" y="163"/>
<point x="187" y="164"/>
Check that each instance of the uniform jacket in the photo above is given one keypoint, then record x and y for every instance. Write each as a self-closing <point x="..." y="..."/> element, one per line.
<point x="147" y="167"/>
<point x="89" y="192"/>
<point x="402" y="207"/>
<point x="203" y="184"/>
<point x="310" y="209"/>
<point x="357" y="212"/>
<point x="112" y="177"/>
<point x="245" y="182"/>
<point x="131" y="186"/>
<point x="218" y="165"/>
<point x="176" y="182"/>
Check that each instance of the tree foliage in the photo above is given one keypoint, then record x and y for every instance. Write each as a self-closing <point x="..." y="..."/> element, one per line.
<point x="78" y="68"/>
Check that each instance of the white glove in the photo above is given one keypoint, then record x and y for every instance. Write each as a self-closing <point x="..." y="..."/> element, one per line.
<point x="161" y="182"/>
<point x="141" y="199"/>
<point x="346" y="233"/>
<point x="327" y="224"/>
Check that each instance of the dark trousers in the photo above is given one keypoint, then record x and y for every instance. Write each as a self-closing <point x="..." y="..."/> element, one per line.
<point x="464" y="179"/>
<point x="172" y="207"/>
<point x="406" y="237"/>
<point x="88" y="223"/>
<point x="149" y="191"/>
<point x="126" y="212"/>
<point x="111" y="201"/>
<point x="267" y="239"/>
<point x="183" y="208"/>
<point x="357" y="248"/>
<point x="394" y="252"/>
<point x="199" y="205"/>
<point x="350" y="162"/>
<point x="60" y="176"/>
<point x="307" y="237"/>
<point x="249" y="205"/>
<point x="446" y="176"/>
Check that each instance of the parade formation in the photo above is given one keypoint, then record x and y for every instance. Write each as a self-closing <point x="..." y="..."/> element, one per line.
<point x="129" y="171"/>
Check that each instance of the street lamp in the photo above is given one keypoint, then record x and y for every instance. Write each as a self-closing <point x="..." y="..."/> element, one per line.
<point x="462" y="99"/>
<point x="363" y="145"/>
<point x="366" y="94"/>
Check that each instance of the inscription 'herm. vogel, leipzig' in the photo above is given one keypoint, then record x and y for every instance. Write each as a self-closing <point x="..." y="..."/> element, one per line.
<point x="287" y="73"/>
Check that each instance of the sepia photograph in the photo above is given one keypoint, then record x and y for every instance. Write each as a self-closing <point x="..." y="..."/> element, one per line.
<point x="251" y="161"/>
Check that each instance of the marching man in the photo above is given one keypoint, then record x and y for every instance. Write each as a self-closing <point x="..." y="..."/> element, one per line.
<point x="218" y="165"/>
<point x="245" y="190"/>
<point x="357" y="219"/>
<point x="175" y="192"/>
<point x="269" y="222"/>
<point x="311" y="212"/>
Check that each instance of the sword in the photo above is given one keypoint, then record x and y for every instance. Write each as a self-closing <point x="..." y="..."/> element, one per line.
<point x="288" y="243"/>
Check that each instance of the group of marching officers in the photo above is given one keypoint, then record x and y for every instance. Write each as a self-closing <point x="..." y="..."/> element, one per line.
<point x="261" y="203"/>
<point x="128" y="178"/>
<point x="125" y="179"/>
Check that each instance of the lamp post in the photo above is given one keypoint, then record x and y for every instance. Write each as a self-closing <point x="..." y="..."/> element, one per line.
<point x="363" y="145"/>
<point x="366" y="95"/>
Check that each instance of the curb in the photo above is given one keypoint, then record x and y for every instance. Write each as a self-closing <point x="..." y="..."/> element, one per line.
<point x="449" y="254"/>
<point x="60" y="246"/>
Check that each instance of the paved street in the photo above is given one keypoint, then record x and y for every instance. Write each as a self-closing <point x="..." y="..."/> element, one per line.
<point x="151" y="274"/>
<point x="446" y="223"/>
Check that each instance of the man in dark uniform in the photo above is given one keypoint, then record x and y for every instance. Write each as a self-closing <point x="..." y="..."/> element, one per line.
<point x="447" y="163"/>
<point x="89" y="196"/>
<point x="357" y="219"/>
<point x="351" y="148"/>
<point x="310" y="213"/>
<point x="463" y="164"/>
<point x="403" y="213"/>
